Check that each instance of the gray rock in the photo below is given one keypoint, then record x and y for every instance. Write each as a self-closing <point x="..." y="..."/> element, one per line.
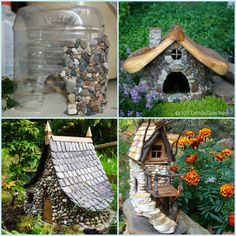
<point x="85" y="93"/>
<point x="83" y="44"/>
<point x="140" y="225"/>
<point x="226" y="143"/>
<point x="71" y="85"/>
<point x="176" y="97"/>
<point x="222" y="88"/>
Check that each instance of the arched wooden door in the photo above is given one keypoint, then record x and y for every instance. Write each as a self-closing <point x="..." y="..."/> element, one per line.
<point x="47" y="209"/>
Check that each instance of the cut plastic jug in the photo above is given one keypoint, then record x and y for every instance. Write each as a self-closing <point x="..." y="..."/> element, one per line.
<point x="40" y="36"/>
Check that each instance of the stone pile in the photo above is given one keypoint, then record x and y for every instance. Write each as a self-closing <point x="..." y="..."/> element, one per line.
<point x="144" y="206"/>
<point x="86" y="75"/>
<point x="64" y="212"/>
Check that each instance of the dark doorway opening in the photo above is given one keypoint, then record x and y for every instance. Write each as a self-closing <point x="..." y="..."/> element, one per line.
<point x="176" y="82"/>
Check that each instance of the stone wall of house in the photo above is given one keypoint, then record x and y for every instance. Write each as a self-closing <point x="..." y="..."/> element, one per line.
<point x="137" y="174"/>
<point x="86" y="75"/>
<point x="157" y="169"/>
<point x="64" y="211"/>
<point x="156" y="72"/>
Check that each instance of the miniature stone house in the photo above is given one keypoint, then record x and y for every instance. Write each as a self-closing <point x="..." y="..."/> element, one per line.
<point x="70" y="185"/>
<point x="150" y="179"/>
<point x="175" y="66"/>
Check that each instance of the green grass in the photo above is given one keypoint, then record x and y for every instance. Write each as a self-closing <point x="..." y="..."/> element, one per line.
<point x="205" y="107"/>
<point x="124" y="167"/>
<point x="204" y="22"/>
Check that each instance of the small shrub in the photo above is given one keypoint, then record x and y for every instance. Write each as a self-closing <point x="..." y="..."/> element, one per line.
<point x="208" y="178"/>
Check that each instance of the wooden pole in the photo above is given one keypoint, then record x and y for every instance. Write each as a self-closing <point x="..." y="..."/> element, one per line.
<point x="106" y="145"/>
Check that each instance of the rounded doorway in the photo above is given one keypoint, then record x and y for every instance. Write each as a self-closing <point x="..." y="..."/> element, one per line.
<point x="176" y="82"/>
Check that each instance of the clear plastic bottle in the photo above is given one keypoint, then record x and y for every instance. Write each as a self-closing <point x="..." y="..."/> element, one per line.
<point x="8" y="18"/>
<point x="40" y="35"/>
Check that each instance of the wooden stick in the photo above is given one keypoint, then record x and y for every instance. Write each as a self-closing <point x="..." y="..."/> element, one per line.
<point x="105" y="145"/>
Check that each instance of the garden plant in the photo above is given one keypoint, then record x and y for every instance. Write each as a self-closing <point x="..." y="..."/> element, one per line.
<point x="208" y="179"/>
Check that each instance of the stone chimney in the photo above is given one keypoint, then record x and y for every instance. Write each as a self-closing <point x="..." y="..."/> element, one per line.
<point x="154" y="37"/>
<point x="48" y="133"/>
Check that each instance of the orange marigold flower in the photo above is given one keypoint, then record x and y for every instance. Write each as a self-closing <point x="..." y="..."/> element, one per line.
<point x="192" y="177"/>
<point x="182" y="142"/>
<point x="227" y="190"/>
<point x="189" y="133"/>
<point x="231" y="219"/>
<point x="226" y="152"/>
<point x="174" y="168"/>
<point x="220" y="157"/>
<point x="199" y="138"/>
<point x="190" y="159"/>
<point x="205" y="132"/>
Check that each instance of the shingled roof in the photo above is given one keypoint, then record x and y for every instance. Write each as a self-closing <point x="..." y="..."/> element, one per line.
<point x="79" y="172"/>
<point x="210" y="58"/>
<point x="145" y="135"/>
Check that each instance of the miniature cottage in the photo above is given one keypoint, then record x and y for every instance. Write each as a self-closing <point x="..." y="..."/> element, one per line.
<point x="151" y="192"/>
<point x="175" y="66"/>
<point x="70" y="185"/>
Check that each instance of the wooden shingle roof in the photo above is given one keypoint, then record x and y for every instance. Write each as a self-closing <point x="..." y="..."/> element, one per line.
<point x="144" y="137"/>
<point x="80" y="173"/>
<point x="139" y="59"/>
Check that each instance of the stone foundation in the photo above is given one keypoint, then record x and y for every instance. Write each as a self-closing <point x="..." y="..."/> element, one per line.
<point x="65" y="212"/>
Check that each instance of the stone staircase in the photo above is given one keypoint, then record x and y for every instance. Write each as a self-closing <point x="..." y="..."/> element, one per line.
<point x="144" y="206"/>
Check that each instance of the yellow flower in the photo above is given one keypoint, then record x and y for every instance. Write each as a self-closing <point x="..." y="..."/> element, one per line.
<point x="205" y="132"/>
<point x="226" y="152"/>
<point x="220" y="157"/>
<point x="227" y="190"/>
<point x="189" y="133"/>
<point x="182" y="142"/>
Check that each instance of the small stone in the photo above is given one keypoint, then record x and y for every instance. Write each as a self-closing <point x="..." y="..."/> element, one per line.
<point x="74" y="50"/>
<point x="65" y="49"/>
<point x="89" y="75"/>
<point x="85" y="92"/>
<point x="82" y="67"/>
<point x="73" y="73"/>
<point x="107" y="42"/>
<point x="71" y="85"/>
<point x="105" y="65"/>
<point x="88" y="51"/>
<point x="83" y="44"/>
<point x="95" y="109"/>
<point x="94" y="42"/>
<point x="70" y="44"/>
<point x="68" y="51"/>
<point x="71" y="98"/>
<point x="76" y="62"/>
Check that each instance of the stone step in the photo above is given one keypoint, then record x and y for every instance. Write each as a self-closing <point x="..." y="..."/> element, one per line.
<point x="147" y="207"/>
<point x="159" y="220"/>
<point x="154" y="214"/>
<point x="142" y="197"/>
<point x="171" y="229"/>
<point x="166" y="225"/>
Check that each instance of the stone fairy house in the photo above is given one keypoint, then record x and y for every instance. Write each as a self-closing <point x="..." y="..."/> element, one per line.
<point x="151" y="192"/>
<point x="175" y="66"/>
<point x="70" y="185"/>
